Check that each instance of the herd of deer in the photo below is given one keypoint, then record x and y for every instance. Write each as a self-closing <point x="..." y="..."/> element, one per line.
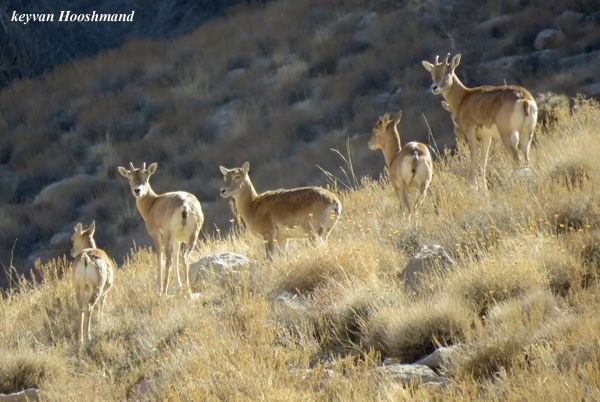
<point x="173" y="219"/>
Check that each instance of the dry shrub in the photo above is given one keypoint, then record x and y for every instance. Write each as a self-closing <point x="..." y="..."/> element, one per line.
<point x="411" y="330"/>
<point x="509" y="271"/>
<point x="24" y="368"/>
<point x="502" y="339"/>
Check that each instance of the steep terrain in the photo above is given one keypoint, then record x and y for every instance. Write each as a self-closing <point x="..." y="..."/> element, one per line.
<point x="518" y="308"/>
<point x="279" y="85"/>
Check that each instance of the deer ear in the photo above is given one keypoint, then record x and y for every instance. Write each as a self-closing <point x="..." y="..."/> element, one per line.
<point x="124" y="172"/>
<point x="78" y="228"/>
<point x="428" y="66"/>
<point x="92" y="228"/>
<point x="455" y="61"/>
<point x="152" y="168"/>
<point x="397" y="118"/>
<point x="223" y="170"/>
<point x="246" y="167"/>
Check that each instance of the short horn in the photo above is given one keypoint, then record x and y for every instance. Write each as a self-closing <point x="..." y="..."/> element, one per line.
<point x="437" y="59"/>
<point x="144" y="166"/>
<point x="131" y="166"/>
<point x="447" y="58"/>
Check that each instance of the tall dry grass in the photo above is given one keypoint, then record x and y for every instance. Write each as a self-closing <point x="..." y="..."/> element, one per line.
<point x="520" y="303"/>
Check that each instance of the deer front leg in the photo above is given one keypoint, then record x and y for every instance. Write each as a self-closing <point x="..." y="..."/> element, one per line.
<point x="158" y="250"/>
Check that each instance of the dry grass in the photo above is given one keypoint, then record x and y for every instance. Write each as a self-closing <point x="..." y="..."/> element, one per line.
<point x="520" y="302"/>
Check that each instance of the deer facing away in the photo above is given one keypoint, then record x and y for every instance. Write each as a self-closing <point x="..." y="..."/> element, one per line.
<point x="172" y="219"/>
<point x="93" y="274"/>
<point x="410" y="168"/>
<point x="508" y="112"/>
<point x="279" y="215"/>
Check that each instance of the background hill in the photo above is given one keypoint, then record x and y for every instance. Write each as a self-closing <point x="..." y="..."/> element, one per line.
<point x="519" y="306"/>
<point x="276" y="84"/>
<point x="29" y="50"/>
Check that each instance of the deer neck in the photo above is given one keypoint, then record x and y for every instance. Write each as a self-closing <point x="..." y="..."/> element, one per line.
<point x="145" y="203"/>
<point x="391" y="147"/>
<point x="244" y="199"/>
<point x="455" y="94"/>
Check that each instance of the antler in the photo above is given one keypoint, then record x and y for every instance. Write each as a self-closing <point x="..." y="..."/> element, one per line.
<point x="144" y="166"/>
<point x="447" y="58"/>
<point x="437" y="59"/>
<point x="131" y="166"/>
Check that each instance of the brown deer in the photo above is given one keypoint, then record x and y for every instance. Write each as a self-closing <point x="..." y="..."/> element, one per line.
<point x="508" y="112"/>
<point x="172" y="219"/>
<point x="409" y="167"/>
<point x="279" y="215"/>
<point x="93" y="274"/>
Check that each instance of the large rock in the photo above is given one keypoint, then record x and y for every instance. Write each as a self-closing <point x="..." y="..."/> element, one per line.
<point x="8" y="183"/>
<point x="440" y="357"/>
<point x="218" y="266"/>
<point x="548" y="39"/>
<point x="428" y="260"/>
<point x="568" y="22"/>
<point x="27" y="395"/>
<point x="413" y="374"/>
<point x="65" y="189"/>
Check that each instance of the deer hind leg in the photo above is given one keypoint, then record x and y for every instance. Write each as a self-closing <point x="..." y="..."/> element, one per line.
<point x="168" y="264"/>
<point x="510" y="139"/>
<point x="186" y="260"/>
<point x="485" y="148"/>
<point x="527" y="132"/>
<point x="176" y="249"/>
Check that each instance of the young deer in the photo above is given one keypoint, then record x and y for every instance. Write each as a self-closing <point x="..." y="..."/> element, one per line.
<point x="483" y="113"/>
<point x="92" y="276"/>
<point x="171" y="219"/>
<point x="279" y="215"/>
<point x="409" y="166"/>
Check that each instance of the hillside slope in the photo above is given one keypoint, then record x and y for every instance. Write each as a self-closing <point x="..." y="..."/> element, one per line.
<point x="520" y="302"/>
<point x="278" y="85"/>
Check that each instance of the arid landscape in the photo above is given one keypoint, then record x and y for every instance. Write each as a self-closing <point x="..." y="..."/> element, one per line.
<point x="295" y="88"/>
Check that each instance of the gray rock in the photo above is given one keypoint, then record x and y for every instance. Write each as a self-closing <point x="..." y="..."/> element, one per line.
<point x="413" y="374"/>
<point x="8" y="183"/>
<point x="428" y="260"/>
<point x="549" y="38"/>
<point x="217" y="266"/>
<point x="65" y="188"/>
<point x="568" y="21"/>
<point x="439" y="357"/>
<point x="233" y="74"/>
<point x="60" y="239"/>
<point x="27" y="395"/>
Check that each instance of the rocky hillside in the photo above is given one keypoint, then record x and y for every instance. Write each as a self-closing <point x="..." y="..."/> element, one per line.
<point x="34" y="48"/>
<point x="280" y="85"/>
<point x="508" y="313"/>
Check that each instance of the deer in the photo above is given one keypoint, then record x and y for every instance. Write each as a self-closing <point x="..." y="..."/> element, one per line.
<point x="283" y="214"/>
<point x="409" y="167"/>
<point x="173" y="220"/>
<point x="93" y="274"/>
<point x="484" y="113"/>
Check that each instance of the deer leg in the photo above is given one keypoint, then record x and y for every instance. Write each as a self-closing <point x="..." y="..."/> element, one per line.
<point x="485" y="147"/>
<point x="81" y="326"/>
<point x="511" y="142"/>
<point x="88" y="324"/>
<point x="158" y="249"/>
<point x="186" y="260"/>
<point x="527" y="131"/>
<point x="176" y="247"/>
<point x="168" y="264"/>
<point x="472" y="143"/>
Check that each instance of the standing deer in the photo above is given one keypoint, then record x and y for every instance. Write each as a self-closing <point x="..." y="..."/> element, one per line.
<point x="409" y="167"/>
<point x="508" y="112"/>
<point x="171" y="219"/>
<point x="92" y="276"/>
<point x="279" y="215"/>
